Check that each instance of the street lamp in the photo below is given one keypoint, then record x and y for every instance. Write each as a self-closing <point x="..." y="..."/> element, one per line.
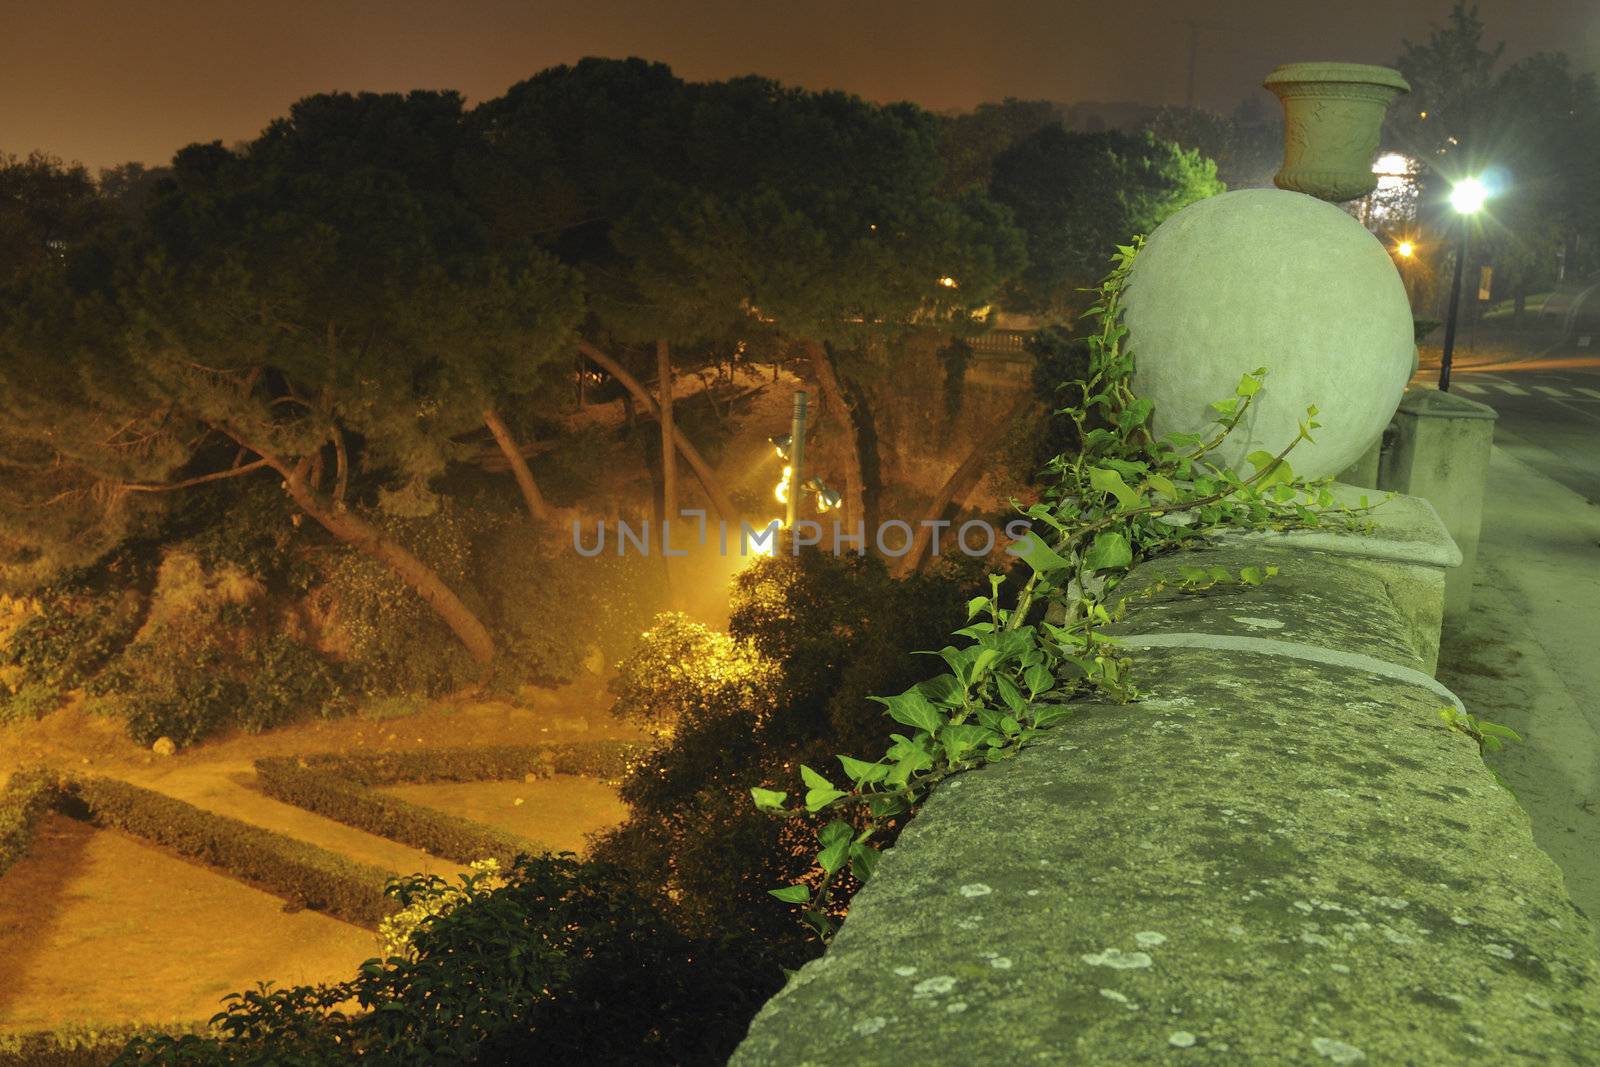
<point x="1467" y="198"/>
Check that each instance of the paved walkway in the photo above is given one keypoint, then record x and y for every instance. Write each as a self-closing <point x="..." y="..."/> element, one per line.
<point x="1529" y="656"/>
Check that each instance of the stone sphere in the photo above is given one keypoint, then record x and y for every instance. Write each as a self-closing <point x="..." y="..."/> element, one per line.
<point x="1274" y="279"/>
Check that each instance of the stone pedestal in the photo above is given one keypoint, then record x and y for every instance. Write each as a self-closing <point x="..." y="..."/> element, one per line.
<point x="1441" y="454"/>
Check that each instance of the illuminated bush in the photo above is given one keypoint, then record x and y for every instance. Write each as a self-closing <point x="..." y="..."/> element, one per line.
<point x="682" y="673"/>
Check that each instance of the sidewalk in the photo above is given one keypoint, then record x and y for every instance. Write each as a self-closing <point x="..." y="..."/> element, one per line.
<point x="1528" y="656"/>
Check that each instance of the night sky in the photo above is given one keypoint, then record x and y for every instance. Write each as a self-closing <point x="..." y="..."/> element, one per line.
<point x="108" y="82"/>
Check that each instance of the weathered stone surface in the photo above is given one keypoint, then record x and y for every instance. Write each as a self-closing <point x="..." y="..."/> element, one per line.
<point x="1315" y="599"/>
<point x="1267" y="860"/>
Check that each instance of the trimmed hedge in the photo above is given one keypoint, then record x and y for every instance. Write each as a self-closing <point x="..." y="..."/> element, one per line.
<point x="75" y="1046"/>
<point x="27" y="796"/>
<point x="304" y="873"/>
<point x="606" y="760"/>
<point x="333" y="794"/>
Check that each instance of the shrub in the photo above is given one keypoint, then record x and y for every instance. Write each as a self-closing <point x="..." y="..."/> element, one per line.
<point x="428" y="901"/>
<point x="607" y="760"/>
<point x="74" y="1046"/>
<point x="567" y="963"/>
<point x="28" y="795"/>
<point x="303" y="873"/>
<point x="84" y="620"/>
<point x="250" y="526"/>
<point x="31" y="700"/>
<point x="1423" y="327"/>
<point x="680" y="673"/>
<point x="212" y="655"/>
<point x="332" y="794"/>
<point x="391" y="641"/>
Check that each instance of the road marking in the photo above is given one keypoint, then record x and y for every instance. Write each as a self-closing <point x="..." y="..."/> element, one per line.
<point x="1511" y="389"/>
<point x="1588" y="392"/>
<point x="1468" y="387"/>
<point x="1550" y="390"/>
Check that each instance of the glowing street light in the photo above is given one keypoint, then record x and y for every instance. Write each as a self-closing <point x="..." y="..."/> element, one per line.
<point x="1405" y="249"/>
<point x="1467" y="197"/>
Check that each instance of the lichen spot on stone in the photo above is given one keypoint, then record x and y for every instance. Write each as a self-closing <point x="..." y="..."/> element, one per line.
<point x="1180" y="1039"/>
<point x="1149" y="938"/>
<point x="956" y="1007"/>
<point x="1112" y="994"/>
<point x="1115" y="957"/>
<point x="975" y="889"/>
<point x="868" y="1027"/>
<point x="1258" y="624"/>
<point x="1337" y="1051"/>
<point x="934" y="987"/>
<point x="1000" y="963"/>
<point x="904" y="971"/>
<point x="1499" y="950"/>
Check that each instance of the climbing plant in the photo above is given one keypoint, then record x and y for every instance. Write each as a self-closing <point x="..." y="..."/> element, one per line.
<point x="1125" y="495"/>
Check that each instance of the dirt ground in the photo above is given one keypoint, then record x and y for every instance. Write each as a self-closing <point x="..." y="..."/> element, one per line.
<point x="99" y="928"/>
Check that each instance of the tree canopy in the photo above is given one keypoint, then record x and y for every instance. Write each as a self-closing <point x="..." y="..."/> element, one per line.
<point x="1078" y="195"/>
<point x="1530" y="128"/>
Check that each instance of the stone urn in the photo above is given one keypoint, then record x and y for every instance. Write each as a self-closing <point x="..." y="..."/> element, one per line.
<point x="1332" y="116"/>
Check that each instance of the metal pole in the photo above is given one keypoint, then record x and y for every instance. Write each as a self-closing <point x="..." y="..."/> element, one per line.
<point x="1450" y="317"/>
<point x="797" y="455"/>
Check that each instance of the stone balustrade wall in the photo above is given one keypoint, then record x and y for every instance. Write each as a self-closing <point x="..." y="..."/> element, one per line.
<point x="1280" y="855"/>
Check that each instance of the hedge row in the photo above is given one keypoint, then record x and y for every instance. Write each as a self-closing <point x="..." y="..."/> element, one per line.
<point x="305" y="874"/>
<point x="28" y="795"/>
<point x="340" y="797"/>
<point x="75" y="1046"/>
<point x="607" y="760"/>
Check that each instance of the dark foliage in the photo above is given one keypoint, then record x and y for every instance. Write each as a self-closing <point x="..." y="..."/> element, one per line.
<point x="1060" y="361"/>
<point x="568" y="963"/>
<point x="839" y="629"/>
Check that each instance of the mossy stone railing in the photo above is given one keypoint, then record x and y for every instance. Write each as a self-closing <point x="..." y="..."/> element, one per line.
<point x="1281" y="855"/>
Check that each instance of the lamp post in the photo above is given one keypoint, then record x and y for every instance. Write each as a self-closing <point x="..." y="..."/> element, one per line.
<point x="1467" y="199"/>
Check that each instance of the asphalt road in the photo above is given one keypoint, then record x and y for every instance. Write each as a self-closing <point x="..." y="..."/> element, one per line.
<point x="1548" y="404"/>
<point x="1525" y="653"/>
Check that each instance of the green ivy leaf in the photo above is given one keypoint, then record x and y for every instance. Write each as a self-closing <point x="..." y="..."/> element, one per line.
<point x="911" y="708"/>
<point x="1039" y="556"/>
<point x="769" y="800"/>
<point x="1010" y="693"/>
<point x="1110" y="551"/>
<point x="835" y="838"/>
<point x="861" y="771"/>
<point x="792" y="894"/>
<point x="863" y="862"/>
<point x="1105" y="480"/>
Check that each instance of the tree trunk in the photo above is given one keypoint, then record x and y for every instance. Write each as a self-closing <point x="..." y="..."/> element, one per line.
<point x="960" y="484"/>
<point x="669" y="454"/>
<point x="538" y="509"/>
<point x="702" y="471"/>
<point x="361" y="535"/>
<point x="357" y="532"/>
<point x="855" y="482"/>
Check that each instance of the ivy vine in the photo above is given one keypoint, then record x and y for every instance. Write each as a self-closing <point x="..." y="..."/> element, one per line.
<point x="1126" y="495"/>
